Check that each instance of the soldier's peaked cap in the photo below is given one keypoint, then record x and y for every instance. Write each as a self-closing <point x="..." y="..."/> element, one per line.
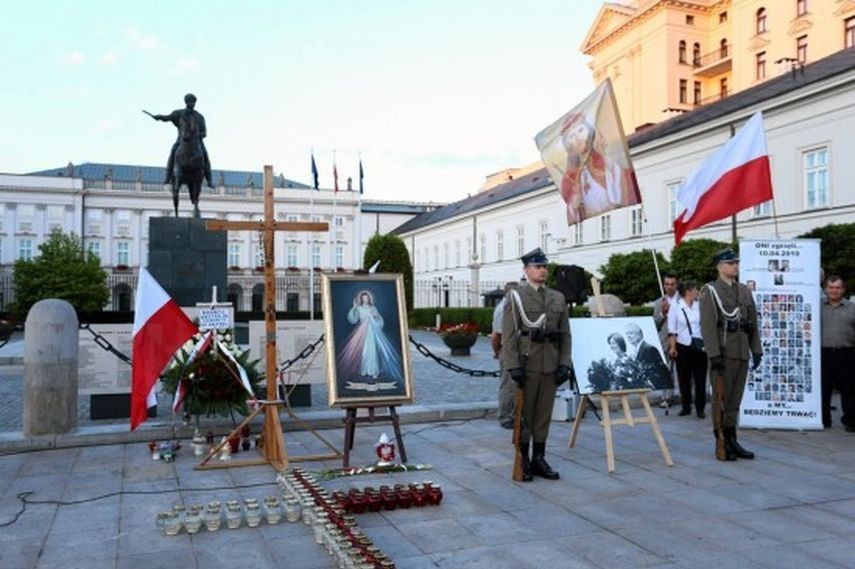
<point x="725" y="256"/>
<point x="536" y="257"/>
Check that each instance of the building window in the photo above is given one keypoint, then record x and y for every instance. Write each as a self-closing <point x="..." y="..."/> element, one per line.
<point x="339" y="256"/>
<point x="762" y="210"/>
<point x="801" y="7"/>
<point x="123" y="253"/>
<point x="606" y="227"/>
<point x="1" y="262"/>
<point x="544" y="234"/>
<point x="684" y="97"/>
<point x="520" y="241"/>
<point x="697" y="93"/>
<point x="500" y="245"/>
<point x="681" y="52"/>
<point x="801" y="49"/>
<point x="25" y="249"/>
<point x="338" y="221"/>
<point x="445" y="257"/>
<point x="469" y="251"/>
<point x="673" y="205"/>
<point x="722" y="18"/>
<point x="316" y="256"/>
<point x="722" y="48"/>
<point x="234" y="254"/>
<point x="637" y="222"/>
<point x="696" y="55"/>
<point x="577" y="234"/>
<point x="690" y="20"/>
<point x="816" y="177"/>
<point x="483" y="239"/>
<point x="292" y="302"/>
<point x="761" y="21"/>
<point x="849" y="32"/>
<point x="722" y="88"/>
<point x="457" y="256"/>
<point x="292" y="219"/>
<point x="291" y="259"/>
<point x="760" y="65"/>
<point x="435" y="257"/>
<point x="94" y="247"/>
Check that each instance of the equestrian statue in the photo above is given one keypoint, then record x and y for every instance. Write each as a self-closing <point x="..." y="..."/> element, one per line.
<point x="188" y="162"/>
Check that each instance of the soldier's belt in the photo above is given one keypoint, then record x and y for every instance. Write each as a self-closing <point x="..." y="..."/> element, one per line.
<point x="539" y="336"/>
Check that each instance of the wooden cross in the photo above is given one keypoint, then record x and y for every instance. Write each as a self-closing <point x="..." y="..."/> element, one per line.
<point x="274" y="447"/>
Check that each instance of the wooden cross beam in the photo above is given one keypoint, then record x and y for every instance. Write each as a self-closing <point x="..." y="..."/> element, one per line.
<point x="274" y="447"/>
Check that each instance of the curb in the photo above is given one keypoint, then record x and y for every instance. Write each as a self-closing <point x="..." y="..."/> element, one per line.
<point x="15" y="442"/>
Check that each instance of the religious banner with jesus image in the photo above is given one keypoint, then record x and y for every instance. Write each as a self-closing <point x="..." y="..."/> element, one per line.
<point x="586" y="155"/>
<point x="365" y="323"/>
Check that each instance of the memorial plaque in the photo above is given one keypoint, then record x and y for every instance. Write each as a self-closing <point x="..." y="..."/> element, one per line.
<point x="292" y="336"/>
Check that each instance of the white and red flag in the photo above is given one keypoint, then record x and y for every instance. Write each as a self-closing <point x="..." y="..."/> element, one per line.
<point x="736" y="177"/>
<point x="586" y="155"/>
<point x="160" y="329"/>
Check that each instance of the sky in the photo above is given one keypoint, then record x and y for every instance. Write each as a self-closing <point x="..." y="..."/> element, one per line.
<point x="433" y="94"/>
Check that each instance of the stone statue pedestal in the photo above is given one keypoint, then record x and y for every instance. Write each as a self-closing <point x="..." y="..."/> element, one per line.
<point x="187" y="259"/>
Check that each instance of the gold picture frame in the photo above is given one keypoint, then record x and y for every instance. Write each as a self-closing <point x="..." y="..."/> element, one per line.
<point x="366" y="340"/>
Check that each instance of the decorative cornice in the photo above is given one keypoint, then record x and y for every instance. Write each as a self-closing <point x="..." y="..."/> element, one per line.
<point x="758" y="42"/>
<point x="799" y="25"/>
<point x="844" y="7"/>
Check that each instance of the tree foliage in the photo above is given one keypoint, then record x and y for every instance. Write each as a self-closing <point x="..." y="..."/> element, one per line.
<point x="837" y="250"/>
<point x="632" y="276"/>
<point x="394" y="258"/>
<point x="60" y="271"/>
<point x="692" y="260"/>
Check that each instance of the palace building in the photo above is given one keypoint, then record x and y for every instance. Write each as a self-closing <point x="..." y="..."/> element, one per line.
<point x="672" y="56"/>
<point x="472" y="246"/>
<point x="109" y="206"/>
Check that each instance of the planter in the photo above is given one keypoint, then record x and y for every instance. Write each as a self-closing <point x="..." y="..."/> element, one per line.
<point x="460" y="344"/>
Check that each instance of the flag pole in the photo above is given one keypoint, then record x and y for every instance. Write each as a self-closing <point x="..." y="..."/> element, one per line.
<point x="332" y="224"/>
<point x="359" y="220"/>
<point x="309" y="242"/>
<point x="733" y="217"/>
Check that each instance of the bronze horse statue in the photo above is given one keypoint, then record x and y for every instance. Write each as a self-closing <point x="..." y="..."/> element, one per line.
<point x="188" y="162"/>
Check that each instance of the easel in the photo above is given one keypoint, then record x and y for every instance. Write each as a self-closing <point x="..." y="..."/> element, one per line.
<point x="350" y="421"/>
<point x="274" y="450"/>
<point x="628" y="418"/>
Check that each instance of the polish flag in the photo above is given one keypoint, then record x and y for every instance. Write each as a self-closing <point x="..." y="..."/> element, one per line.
<point x="160" y="329"/>
<point x="736" y="177"/>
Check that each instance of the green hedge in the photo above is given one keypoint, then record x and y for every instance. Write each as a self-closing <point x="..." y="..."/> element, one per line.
<point x="426" y="317"/>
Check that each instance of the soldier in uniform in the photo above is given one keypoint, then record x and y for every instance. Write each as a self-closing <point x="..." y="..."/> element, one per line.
<point x="730" y="332"/>
<point x="536" y="353"/>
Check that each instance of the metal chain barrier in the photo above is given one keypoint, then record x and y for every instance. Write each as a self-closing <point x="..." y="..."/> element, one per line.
<point x="307" y="351"/>
<point x="105" y="343"/>
<point x="423" y="350"/>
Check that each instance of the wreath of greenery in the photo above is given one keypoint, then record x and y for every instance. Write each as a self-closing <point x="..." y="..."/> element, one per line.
<point x="211" y="381"/>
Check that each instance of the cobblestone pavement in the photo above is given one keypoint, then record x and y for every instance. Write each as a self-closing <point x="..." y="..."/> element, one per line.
<point x="434" y="384"/>
<point x="792" y="507"/>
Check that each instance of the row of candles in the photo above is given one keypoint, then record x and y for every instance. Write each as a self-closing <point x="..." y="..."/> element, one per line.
<point x="211" y="516"/>
<point x="401" y="496"/>
<point x="333" y="526"/>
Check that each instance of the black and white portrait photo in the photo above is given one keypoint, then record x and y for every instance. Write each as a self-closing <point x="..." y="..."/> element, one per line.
<point x="613" y="354"/>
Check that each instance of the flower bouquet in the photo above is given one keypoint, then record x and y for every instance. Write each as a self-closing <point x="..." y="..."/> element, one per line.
<point x="209" y="378"/>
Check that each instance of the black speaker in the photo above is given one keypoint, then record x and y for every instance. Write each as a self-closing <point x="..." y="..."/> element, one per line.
<point x="571" y="282"/>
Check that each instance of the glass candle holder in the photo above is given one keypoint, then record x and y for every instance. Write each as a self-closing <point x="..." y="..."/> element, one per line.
<point x="171" y="523"/>
<point x="293" y="510"/>
<point x="213" y="516"/>
<point x="253" y="514"/>
<point x="234" y="515"/>
<point x="273" y="510"/>
<point x="193" y="520"/>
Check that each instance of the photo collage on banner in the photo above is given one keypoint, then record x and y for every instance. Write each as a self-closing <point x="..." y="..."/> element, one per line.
<point x="784" y="393"/>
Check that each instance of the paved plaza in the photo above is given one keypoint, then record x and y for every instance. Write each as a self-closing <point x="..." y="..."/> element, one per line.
<point x="794" y="506"/>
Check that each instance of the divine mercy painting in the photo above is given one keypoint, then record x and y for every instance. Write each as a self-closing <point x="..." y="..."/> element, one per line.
<point x="366" y="336"/>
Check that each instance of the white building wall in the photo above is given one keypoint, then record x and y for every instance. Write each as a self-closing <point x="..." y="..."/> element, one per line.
<point x="817" y="115"/>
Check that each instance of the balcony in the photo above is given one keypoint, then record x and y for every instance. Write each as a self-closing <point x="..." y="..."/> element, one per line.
<point x="714" y="63"/>
<point x="712" y="98"/>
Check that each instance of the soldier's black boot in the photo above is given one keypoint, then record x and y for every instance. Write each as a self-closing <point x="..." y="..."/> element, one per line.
<point x="722" y="448"/>
<point x="736" y="448"/>
<point x="526" y="463"/>
<point x="539" y="466"/>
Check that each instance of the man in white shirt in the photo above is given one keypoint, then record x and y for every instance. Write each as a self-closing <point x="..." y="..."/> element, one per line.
<point x="660" y="318"/>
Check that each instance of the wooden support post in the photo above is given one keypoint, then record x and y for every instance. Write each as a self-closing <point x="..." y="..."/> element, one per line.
<point x="350" y="421"/>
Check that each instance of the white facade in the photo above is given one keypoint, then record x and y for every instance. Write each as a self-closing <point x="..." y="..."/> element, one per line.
<point x="809" y="135"/>
<point x="113" y="218"/>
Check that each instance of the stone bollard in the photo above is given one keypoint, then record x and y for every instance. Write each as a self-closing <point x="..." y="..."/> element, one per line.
<point x="50" y="368"/>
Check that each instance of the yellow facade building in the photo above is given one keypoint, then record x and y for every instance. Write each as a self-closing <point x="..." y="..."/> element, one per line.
<point x="671" y="56"/>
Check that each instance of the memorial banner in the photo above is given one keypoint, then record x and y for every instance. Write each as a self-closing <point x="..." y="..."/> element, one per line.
<point x="784" y="393"/>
